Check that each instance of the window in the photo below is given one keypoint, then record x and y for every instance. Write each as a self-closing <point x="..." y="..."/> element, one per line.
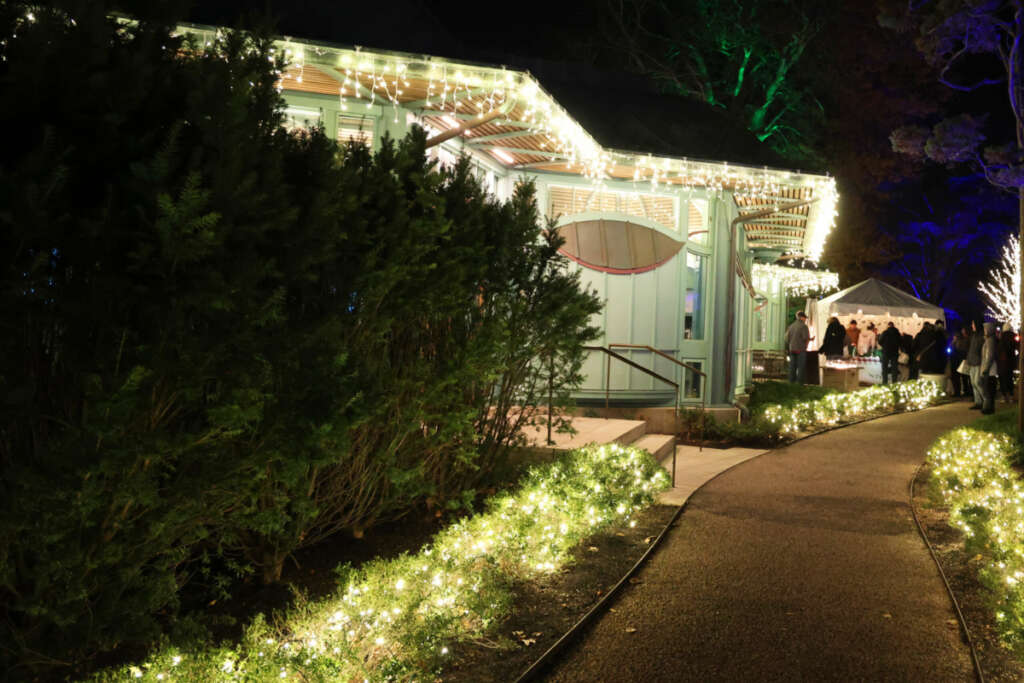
<point x="357" y="129"/>
<point x="301" y="118"/>
<point x="761" y="325"/>
<point x="692" y="384"/>
<point x="693" y="327"/>
<point x="697" y="222"/>
<point x="567" y="201"/>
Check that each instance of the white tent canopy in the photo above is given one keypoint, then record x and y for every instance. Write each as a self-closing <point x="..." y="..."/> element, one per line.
<point x="873" y="300"/>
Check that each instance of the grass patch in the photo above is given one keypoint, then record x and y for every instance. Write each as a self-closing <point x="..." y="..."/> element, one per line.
<point x="396" y="619"/>
<point x="1003" y="422"/>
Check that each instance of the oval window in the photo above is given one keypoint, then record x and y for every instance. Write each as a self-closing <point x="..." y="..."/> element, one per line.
<point x="616" y="246"/>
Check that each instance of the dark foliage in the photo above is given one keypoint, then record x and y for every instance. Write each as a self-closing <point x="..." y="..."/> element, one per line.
<point x="224" y="341"/>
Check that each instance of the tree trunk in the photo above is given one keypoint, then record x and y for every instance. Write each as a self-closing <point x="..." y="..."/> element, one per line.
<point x="272" y="565"/>
<point x="1020" y="333"/>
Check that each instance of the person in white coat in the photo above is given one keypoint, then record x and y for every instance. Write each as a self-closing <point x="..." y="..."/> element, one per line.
<point x="866" y="343"/>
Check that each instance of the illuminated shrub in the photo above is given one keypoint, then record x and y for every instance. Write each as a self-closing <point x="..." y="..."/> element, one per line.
<point x="972" y="476"/>
<point x="397" y="618"/>
<point x="835" y="408"/>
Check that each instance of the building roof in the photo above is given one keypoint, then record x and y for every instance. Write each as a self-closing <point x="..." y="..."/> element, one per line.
<point x="509" y="116"/>
<point x="874" y="297"/>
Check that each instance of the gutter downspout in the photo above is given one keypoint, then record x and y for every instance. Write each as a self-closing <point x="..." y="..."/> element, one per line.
<point x="733" y="270"/>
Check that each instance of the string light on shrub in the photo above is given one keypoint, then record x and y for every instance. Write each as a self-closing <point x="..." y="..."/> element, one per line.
<point x="974" y="477"/>
<point x="456" y="588"/>
<point x="834" y="408"/>
<point x="1003" y="286"/>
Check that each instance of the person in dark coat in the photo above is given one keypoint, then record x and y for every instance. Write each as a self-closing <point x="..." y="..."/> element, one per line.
<point x="974" y="364"/>
<point x="1006" y="362"/>
<point x="835" y="335"/>
<point x="961" y="383"/>
<point x="924" y="340"/>
<point x="939" y="355"/>
<point x="907" y="347"/>
<point x="889" y="342"/>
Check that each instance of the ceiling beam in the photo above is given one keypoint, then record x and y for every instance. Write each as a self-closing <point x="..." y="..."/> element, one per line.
<point x="520" y="150"/>
<point x="542" y="164"/>
<point x="359" y="89"/>
<point x="466" y="117"/>
<point x="472" y="123"/>
<point x="454" y="97"/>
<point x="782" y="215"/>
<point x="505" y="136"/>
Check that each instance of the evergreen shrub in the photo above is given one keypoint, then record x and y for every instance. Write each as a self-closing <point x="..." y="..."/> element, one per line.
<point x="224" y="341"/>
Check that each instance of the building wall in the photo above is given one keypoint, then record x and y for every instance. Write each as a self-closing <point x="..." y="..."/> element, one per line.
<point x="678" y="307"/>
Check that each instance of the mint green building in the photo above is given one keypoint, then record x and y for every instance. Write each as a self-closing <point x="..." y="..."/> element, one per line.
<point x="669" y="243"/>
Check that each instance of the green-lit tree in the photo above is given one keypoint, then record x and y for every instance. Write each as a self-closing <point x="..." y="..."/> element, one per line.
<point x="747" y="57"/>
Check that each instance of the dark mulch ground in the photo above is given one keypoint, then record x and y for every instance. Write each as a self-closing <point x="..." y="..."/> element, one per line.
<point x="546" y="609"/>
<point x="997" y="662"/>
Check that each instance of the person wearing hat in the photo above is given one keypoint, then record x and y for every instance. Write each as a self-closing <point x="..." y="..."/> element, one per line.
<point x="797" y="338"/>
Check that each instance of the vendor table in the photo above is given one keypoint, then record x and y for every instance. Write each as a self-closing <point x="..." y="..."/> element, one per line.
<point x="843" y="377"/>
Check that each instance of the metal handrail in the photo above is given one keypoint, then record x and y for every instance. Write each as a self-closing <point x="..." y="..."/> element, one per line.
<point x="703" y="393"/>
<point x="608" y="387"/>
<point x="660" y="353"/>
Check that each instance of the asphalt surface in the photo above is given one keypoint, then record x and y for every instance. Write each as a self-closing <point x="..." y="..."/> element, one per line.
<point x="803" y="564"/>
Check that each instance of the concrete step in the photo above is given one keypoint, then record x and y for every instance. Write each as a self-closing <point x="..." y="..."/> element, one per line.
<point x="588" y="430"/>
<point x="658" y="445"/>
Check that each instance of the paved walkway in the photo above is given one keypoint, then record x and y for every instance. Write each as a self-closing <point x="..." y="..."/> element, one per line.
<point x="801" y="565"/>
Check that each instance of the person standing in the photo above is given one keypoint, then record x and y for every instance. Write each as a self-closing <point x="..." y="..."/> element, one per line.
<point x="1006" y="362"/>
<point x="960" y="381"/>
<point x="866" y="340"/>
<point x="852" y="337"/>
<point x="974" y="364"/>
<point x="989" y="352"/>
<point x="889" y="341"/>
<point x="835" y="335"/>
<point x="907" y="349"/>
<point x="940" y="352"/>
<point x="924" y="340"/>
<point x="797" y="338"/>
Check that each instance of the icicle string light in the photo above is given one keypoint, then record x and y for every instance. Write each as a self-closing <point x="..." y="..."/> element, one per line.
<point x="473" y="91"/>
<point x="795" y="281"/>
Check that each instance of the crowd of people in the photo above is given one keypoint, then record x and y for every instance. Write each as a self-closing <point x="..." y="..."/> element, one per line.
<point x="978" y="359"/>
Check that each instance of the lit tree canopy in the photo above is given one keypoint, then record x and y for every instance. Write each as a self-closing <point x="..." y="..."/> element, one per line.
<point x="1003" y="287"/>
<point x="972" y="45"/>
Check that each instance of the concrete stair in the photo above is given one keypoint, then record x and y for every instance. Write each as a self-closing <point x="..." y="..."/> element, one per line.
<point x="603" y="430"/>
<point x="660" y="446"/>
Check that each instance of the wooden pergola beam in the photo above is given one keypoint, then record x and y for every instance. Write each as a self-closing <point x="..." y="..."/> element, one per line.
<point x="468" y="124"/>
<point x="781" y="216"/>
<point x="454" y="97"/>
<point x="358" y="88"/>
<point x="521" y="150"/>
<point x="505" y="136"/>
<point x="466" y="117"/>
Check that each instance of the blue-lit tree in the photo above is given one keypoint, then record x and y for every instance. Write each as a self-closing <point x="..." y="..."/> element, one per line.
<point x="975" y="46"/>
